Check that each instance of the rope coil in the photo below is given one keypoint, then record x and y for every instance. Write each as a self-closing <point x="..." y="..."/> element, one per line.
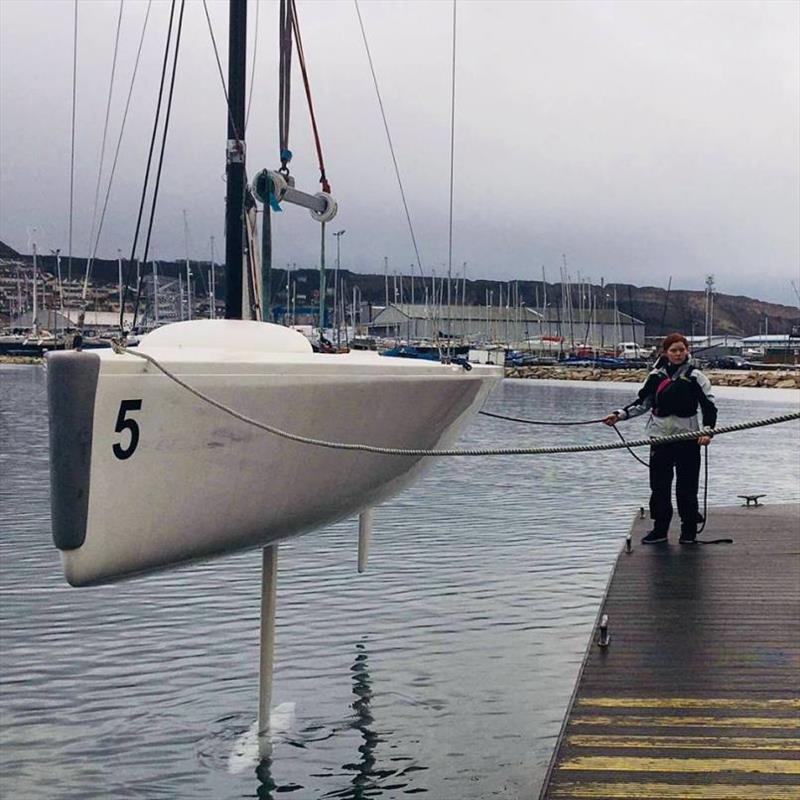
<point x="454" y="452"/>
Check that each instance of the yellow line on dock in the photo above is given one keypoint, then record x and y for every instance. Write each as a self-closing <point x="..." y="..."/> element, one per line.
<point x="779" y="723"/>
<point x="673" y="791"/>
<point x="771" y="766"/>
<point x="689" y="702"/>
<point x="685" y="742"/>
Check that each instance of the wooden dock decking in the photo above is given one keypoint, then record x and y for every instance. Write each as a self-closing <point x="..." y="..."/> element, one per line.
<point x="697" y="696"/>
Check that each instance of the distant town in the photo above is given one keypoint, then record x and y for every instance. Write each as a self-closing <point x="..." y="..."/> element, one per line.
<point x="577" y="316"/>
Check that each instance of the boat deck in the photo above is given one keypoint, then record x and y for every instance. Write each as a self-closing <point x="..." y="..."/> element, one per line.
<point x="697" y="694"/>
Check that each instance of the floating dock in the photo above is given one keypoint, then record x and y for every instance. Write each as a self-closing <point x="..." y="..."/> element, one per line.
<point x="697" y="694"/>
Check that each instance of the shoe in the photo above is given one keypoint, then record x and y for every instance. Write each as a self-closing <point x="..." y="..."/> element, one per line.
<point x="688" y="534"/>
<point x="654" y="537"/>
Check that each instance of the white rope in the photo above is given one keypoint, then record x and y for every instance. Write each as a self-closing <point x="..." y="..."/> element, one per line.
<point x="452" y="452"/>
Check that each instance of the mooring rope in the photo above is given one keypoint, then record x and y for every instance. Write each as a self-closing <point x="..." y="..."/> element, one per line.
<point x="562" y="423"/>
<point x="633" y="455"/>
<point x="452" y="452"/>
<point x="539" y="421"/>
<point x="625" y="441"/>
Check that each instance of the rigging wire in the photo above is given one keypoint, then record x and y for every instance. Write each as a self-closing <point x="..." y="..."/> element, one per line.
<point x="119" y="144"/>
<point x="285" y="81"/>
<point x="452" y="157"/>
<point x="72" y="144"/>
<point x="302" y="59"/>
<point x="90" y="258"/>
<point x="149" y="164"/>
<point x="161" y="154"/>
<point x="253" y="69"/>
<point x="221" y="75"/>
<point x="389" y="139"/>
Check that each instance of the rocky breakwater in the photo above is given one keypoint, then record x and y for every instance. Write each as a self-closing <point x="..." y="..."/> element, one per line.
<point x="778" y="379"/>
<point x="5" y="359"/>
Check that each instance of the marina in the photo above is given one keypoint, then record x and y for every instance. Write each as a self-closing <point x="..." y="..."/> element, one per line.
<point x="451" y="538"/>
<point x="694" y="691"/>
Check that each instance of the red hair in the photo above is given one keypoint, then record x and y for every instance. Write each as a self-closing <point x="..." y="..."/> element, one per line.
<point x="671" y="339"/>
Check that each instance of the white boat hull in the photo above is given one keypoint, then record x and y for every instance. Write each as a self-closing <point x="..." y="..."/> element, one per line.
<point x="197" y="482"/>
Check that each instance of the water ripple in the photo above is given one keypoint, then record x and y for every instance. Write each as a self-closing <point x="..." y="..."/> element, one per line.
<point x="444" y="670"/>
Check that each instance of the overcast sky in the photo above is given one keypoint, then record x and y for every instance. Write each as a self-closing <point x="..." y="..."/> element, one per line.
<point x="642" y="139"/>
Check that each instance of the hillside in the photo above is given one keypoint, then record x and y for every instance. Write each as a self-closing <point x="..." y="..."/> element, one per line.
<point x="662" y="312"/>
<point x="685" y="311"/>
<point x="8" y="252"/>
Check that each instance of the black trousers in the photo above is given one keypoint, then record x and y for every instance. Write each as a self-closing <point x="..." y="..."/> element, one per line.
<point x="682" y="459"/>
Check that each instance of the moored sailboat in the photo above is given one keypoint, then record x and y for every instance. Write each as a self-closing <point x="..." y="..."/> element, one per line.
<point x="144" y="474"/>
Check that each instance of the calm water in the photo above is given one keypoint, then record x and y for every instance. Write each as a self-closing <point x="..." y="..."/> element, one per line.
<point x="445" y="670"/>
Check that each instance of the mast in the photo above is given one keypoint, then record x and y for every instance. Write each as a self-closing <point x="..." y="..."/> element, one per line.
<point x="234" y="169"/>
<point x="212" y="287"/>
<point x="19" y="298"/>
<point x="336" y="307"/>
<point x="286" y="316"/>
<point x="35" y="313"/>
<point x="386" y="279"/>
<point x="155" y="293"/>
<point x="188" y="268"/>
<point x="119" y="285"/>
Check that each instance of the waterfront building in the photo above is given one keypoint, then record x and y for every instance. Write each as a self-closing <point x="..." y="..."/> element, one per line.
<point x="600" y="328"/>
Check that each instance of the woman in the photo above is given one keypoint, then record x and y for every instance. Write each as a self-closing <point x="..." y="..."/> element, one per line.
<point x="674" y="392"/>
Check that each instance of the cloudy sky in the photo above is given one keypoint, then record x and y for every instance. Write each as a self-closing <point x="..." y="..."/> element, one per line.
<point x="642" y="139"/>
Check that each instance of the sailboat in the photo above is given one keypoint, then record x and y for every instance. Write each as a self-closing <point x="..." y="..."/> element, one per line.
<point x="145" y="474"/>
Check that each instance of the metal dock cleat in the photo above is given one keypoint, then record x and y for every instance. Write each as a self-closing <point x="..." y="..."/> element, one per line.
<point x="604" y="638"/>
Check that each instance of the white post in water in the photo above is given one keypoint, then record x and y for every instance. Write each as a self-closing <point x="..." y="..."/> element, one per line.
<point x="269" y="580"/>
<point x="364" y="538"/>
